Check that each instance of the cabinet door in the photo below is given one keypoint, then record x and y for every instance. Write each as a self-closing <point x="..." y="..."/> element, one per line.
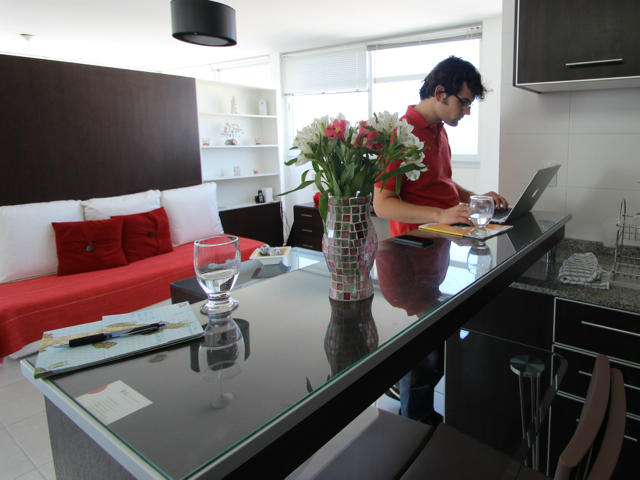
<point x="260" y="222"/>
<point x="601" y="330"/>
<point x="308" y="227"/>
<point x="551" y="35"/>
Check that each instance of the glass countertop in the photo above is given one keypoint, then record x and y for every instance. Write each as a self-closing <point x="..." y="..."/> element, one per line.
<point x="301" y="348"/>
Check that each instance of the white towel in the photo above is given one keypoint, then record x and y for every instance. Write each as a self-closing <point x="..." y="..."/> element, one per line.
<point x="583" y="269"/>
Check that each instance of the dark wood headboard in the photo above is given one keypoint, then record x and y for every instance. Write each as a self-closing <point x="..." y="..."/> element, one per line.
<point x="72" y="131"/>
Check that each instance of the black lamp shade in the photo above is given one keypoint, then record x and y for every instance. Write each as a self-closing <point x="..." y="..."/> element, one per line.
<point x="203" y="22"/>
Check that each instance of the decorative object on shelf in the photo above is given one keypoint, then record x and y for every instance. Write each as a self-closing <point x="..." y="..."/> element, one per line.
<point x="237" y="172"/>
<point x="262" y="106"/>
<point x="258" y="141"/>
<point x="351" y="334"/>
<point x="260" y="197"/>
<point x="255" y="172"/>
<point x="234" y="105"/>
<point x="316" y="198"/>
<point x="231" y="130"/>
<point x="203" y="22"/>
<point x="348" y="161"/>
<point x="268" y="194"/>
<point x="206" y="141"/>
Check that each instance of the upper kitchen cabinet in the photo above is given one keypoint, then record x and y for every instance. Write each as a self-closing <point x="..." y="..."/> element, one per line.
<point x="576" y="45"/>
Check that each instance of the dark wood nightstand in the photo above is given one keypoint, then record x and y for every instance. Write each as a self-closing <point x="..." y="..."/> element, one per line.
<point x="307" y="226"/>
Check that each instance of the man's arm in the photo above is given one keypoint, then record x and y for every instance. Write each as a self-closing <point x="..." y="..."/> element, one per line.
<point x="387" y="205"/>
<point x="500" y="202"/>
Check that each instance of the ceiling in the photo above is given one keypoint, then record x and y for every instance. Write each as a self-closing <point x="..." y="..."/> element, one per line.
<point x="136" y="34"/>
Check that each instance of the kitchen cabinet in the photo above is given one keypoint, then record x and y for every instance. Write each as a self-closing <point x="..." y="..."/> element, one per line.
<point x="581" y="332"/>
<point x="576" y="45"/>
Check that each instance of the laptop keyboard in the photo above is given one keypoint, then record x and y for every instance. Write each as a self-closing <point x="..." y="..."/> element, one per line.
<point x="499" y="214"/>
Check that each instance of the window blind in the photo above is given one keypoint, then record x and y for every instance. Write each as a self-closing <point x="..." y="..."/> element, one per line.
<point x="333" y="70"/>
<point x="436" y="36"/>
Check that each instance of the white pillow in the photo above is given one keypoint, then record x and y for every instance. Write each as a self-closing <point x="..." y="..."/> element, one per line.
<point x="27" y="239"/>
<point x="192" y="212"/>
<point x="104" y="208"/>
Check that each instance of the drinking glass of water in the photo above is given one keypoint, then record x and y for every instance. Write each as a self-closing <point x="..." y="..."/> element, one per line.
<point x="481" y="208"/>
<point x="217" y="263"/>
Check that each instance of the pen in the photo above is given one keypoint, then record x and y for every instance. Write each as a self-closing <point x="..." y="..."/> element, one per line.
<point x="101" y="337"/>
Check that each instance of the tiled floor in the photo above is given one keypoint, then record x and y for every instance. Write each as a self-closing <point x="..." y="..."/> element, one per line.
<point x="25" y="451"/>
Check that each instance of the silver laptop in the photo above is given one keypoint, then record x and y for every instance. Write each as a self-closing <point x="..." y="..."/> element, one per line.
<point x="529" y="197"/>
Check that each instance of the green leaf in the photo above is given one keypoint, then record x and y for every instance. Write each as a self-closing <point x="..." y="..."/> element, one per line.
<point x="348" y="174"/>
<point x="299" y="187"/>
<point x="399" y="171"/>
<point x="309" y="387"/>
<point x="323" y="206"/>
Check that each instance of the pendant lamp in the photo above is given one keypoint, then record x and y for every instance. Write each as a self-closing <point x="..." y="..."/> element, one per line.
<point x="203" y="22"/>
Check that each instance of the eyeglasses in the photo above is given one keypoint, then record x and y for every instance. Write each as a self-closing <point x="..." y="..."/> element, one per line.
<point x="465" y="103"/>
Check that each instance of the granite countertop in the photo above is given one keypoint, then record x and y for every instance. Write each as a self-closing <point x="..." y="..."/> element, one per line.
<point x="544" y="279"/>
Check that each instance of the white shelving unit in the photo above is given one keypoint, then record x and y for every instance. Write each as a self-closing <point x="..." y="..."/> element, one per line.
<point x="259" y="165"/>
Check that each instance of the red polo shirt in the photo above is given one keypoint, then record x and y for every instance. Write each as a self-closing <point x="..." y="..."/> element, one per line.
<point x="434" y="187"/>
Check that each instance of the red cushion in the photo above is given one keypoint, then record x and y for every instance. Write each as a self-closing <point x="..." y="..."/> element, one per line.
<point x="76" y="299"/>
<point x="146" y="234"/>
<point x="89" y="246"/>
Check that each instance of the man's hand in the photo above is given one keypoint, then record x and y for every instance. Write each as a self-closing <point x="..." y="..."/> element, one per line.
<point x="500" y="202"/>
<point x="458" y="214"/>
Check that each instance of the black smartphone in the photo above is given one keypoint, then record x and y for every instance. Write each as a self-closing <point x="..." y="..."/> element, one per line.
<point x="414" y="240"/>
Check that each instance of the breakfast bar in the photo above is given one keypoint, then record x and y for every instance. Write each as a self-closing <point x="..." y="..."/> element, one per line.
<point x="305" y="375"/>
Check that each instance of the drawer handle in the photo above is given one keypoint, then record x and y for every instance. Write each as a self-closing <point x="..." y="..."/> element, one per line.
<point x="595" y="62"/>
<point x="306" y="215"/>
<point x="631" y="438"/>
<point x="308" y="246"/>
<point x="610" y="328"/>
<point x="306" y="230"/>
<point x="633" y="387"/>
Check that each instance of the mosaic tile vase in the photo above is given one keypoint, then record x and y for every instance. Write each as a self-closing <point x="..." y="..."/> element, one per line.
<point x="351" y="334"/>
<point x="350" y="244"/>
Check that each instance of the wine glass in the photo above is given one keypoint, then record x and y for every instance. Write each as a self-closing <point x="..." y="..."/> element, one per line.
<point x="217" y="264"/>
<point x="221" y="355"/>
<point x="481" y="208"/>
<point x="479" y="259"/>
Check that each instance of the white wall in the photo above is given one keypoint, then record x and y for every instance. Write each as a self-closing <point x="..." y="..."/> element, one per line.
<point x="594" y="135"/>
<point x="485" y="178"/>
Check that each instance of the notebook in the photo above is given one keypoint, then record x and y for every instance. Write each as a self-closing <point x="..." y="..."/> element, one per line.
<point x="529" y="197"/>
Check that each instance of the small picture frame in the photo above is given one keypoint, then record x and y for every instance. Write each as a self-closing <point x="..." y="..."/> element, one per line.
<point x="236" y="172"/>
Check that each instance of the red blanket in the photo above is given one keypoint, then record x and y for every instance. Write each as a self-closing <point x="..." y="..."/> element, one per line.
<point x="28" y="308"/>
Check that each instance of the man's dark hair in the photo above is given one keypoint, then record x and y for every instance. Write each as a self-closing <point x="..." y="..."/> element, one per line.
<point x="452" y="73"/>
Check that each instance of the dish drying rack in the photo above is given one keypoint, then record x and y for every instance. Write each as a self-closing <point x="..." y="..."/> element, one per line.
<point x="626" y="268"/>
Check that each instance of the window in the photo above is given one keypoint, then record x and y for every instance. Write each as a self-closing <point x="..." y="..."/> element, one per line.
<point x="397" y="78"/>
<point x="358" y="80"/>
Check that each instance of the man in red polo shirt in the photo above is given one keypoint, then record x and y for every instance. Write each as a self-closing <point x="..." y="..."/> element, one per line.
<point x="445" y="97"/>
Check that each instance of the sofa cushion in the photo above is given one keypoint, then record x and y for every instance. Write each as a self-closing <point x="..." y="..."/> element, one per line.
<point x="103" y="208"/>
<point x="31" y="307"/>
<point x="146" y="234"/>
<point x="89" y="246"/>
<point x="193" y="212"/>
<point x="27" y="240"/>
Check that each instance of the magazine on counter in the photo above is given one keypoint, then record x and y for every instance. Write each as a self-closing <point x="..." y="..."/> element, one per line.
<point x="181" y="325"/>
<point x="461" y="230"/>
